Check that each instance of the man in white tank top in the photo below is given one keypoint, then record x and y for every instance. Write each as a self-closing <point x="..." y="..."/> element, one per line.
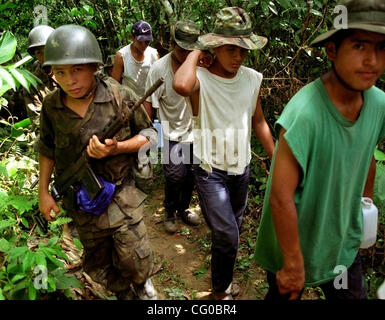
<point x="225" y="101"/>
<point x="133" y="61"/>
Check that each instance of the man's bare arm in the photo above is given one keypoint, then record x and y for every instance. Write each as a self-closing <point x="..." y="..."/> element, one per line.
<point x="286" y="176"/>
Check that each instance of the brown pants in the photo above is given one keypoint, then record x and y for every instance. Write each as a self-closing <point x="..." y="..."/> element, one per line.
<point x="117" y="254"/>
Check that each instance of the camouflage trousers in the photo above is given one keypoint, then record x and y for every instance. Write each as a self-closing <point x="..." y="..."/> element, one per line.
<point x="116" y="247"/>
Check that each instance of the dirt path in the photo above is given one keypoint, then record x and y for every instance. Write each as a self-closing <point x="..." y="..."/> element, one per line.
<point x="183" y="260"/>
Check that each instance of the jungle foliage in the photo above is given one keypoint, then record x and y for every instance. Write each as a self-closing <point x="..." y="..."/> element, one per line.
<point x="287" y="63"/>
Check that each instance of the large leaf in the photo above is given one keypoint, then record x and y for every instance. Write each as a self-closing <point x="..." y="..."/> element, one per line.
<point x="64" y="281"/>
<point x="8" y="46"/>
<point x="28" y="260"/>
<point x="31" y="291"/>
<point x="21" y="203"/>
<point x="18" y="277"/>
<point x="6" y="223"/>
<point x="20" y="78"/>
<point x="379" y="155"/>
<point x="7" y="79"/>
<point x="40" y="259"/>
<point x="4" y="245"/>
<point x="31" y="78"/>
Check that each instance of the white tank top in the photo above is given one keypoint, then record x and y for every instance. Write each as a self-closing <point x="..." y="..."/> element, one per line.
<point x="222" y="129"/>
<point x="135" y="72"/>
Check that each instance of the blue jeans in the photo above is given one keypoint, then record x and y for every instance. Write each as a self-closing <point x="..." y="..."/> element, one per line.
<point x="179" y="175"/>
<point x="223" y="199"/>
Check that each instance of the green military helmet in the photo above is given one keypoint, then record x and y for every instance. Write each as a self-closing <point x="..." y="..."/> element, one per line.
<point x="38" y="36"/>
<point x="72" y="44"/>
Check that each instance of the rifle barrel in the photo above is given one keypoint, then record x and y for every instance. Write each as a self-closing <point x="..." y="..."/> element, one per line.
<point x="149" y="92"/>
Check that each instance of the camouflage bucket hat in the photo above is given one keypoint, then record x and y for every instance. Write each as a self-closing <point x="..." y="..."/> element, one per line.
<point x="186" y="33"/>
<point x="233" y="26"/>
<point x="368" y="15"/>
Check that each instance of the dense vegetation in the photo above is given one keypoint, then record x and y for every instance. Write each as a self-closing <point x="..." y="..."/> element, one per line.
<point x="287" y="63"/>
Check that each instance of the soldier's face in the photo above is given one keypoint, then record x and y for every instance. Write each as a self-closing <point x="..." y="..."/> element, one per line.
<point x="39" y="54"/>
<point x="76" y="80"/>
<point x="141" y="46"/>
<point x="230" y="58"/>
<point x="180" y="54"/>
<point x="360" y="59"/>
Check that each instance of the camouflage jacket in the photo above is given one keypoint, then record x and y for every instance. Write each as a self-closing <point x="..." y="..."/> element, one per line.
<point x="64" y="134"/>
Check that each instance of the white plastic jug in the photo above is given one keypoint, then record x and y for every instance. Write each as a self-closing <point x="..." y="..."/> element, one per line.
<point x="370" y="217"/>
<point x="157" y="125"/>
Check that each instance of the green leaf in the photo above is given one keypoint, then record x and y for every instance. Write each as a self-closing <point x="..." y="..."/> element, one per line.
<point x="31" y="78"/>
<point x="18" y="251"/>
<point x="25" y="222"/>
<point x="284" y="3"/>
<point x="52" y="241"/>
<point x="21" y="285"/>
<point x="40" y="259"/>
<point x="8" y="46"/>
<point x="25" y="123"/>
<point x="379" y="155"/>
<point x="78" y="244"/>
<point x="21" y="203"/>
<point x="18" y="277"/>
<point x="7" y="78"/>
<point x="4" y="245"/>
<point x="58" y="252"/>
<point x="272" y="8"/>
<point x="51" y="284"/>
<point x="28" y="260"/>
<point x="64" y="281"/>
<point x="3" y="171"/>
<point x="52" y="258"/>
<point x="316" y="13"/>
<point x="6" y="224"/>
<point x="31" y="291"/>
<point x="20" y="78"/>
<point x="265" y="8"/>
<point x="1" y="295"/>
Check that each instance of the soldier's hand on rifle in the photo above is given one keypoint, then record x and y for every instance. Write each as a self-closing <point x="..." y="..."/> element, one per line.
<point x="98" y="150"/>
<point x="48" y="206"/>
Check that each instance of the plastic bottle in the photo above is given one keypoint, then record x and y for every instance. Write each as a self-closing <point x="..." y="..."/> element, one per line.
<point x="370" y="217"/>
<point x="381" y="291"/>
<point x="157" y="125"/>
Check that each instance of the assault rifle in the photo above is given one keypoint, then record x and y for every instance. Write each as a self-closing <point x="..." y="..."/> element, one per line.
<point x="80" y="170"/>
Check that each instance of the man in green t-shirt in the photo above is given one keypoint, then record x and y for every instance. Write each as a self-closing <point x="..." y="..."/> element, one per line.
<point x="311" y="226"/>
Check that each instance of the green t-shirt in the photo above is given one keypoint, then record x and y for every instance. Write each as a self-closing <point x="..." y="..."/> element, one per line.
<point x="334" y="155"/>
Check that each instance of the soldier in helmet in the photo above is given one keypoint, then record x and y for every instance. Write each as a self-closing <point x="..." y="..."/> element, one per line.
<point x="176" y="120"/>
<point x="33" y="100"/>
<point x="311" y="226"/>
<point x="225" y="101"/>
<point x="116" y="246"/>
<point x="133" y="61"/>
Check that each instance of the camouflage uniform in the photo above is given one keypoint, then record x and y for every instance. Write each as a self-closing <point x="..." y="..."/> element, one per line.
<point x="116" y="246"/>
<point x="33" y="100"/>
